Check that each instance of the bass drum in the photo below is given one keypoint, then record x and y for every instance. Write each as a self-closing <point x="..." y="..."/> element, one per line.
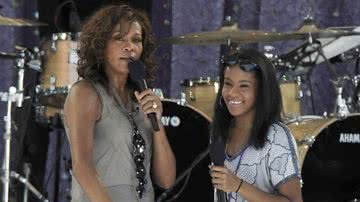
<point x="329" y="156"/>
<point x="187" y="130"/>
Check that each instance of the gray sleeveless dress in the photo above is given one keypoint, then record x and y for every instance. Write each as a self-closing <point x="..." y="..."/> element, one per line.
<point x="112" y="154"/>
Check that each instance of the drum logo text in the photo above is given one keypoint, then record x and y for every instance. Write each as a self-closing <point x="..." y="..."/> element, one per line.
<point x="173" y="121"/>
<point x="349" y="138"/>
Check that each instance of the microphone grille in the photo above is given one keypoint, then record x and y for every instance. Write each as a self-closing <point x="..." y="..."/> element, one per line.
<point x="137" y="70"/>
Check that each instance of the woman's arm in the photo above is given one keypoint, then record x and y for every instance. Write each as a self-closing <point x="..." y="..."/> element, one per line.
<point x="163" y="162"/>
<point x="81" y="110"/>
<point x="163" y="159"/>
<point x="225" y="180"/>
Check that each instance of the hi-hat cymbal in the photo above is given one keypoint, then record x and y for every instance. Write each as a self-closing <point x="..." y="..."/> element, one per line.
<point x="5" y="21"/>
<point x="233" y="34"/>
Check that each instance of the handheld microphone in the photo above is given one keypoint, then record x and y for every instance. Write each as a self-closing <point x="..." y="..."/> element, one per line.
<point x="137" y="74"/>
<point x="217" y="156"/>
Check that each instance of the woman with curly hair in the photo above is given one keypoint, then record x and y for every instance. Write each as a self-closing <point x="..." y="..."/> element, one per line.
<point x="113" y="146"/>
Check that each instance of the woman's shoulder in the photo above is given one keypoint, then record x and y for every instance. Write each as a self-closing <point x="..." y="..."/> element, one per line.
<point x="82" y="92"/>
<point x="83" y="88"/>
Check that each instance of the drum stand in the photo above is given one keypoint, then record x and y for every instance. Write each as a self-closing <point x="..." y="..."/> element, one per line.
<point x="341" y="110"/>
<point x="184" y="174"/>
<point x="14" y="95"/>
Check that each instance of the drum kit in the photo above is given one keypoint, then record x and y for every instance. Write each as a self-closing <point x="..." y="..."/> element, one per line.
<point x="328" y="145"/>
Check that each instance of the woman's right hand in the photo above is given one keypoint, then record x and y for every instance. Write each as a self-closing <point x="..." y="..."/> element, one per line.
<point x="150" y="102"/>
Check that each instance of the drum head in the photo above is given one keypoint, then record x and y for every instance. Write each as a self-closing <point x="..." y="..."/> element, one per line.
<point x="188" y="134"/>
<point x="331" y="169"/>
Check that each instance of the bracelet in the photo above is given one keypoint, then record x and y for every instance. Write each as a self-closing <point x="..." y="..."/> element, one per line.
<point x="241" y="181"/>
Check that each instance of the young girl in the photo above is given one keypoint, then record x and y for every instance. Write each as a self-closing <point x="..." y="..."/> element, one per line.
<point x="260" y="153"/>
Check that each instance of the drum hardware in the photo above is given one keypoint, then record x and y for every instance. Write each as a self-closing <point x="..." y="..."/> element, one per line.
<point x="6" y="21"/>
<point x="9" y="97"/>
<point x="27" y="171"/>
<point x="356" y="94"/>
<point x="352" y="102"/>
<point x="182" y="100"/>
<point x="308" y="140"/>
<point x="297" y="120"/>
<point x="62" y="36"/>
<point x="341" y="109"/>
<point x="158" y="92"/>
<point x="300" y="93"/>
<point x="184" y="174"/>
<point x="15" y="94"/>
<point x="28" y="186"/>
<point x="12" y="96"/>
<point x="307" y="55"/>
<point x="269" y="52"/>
<point x="298" y="56"/>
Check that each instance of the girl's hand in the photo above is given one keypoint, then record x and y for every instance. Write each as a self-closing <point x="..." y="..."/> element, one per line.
<point x="223" y="179"/>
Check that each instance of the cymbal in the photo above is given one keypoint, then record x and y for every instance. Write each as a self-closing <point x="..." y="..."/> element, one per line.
<point x="224" y="35"/>
<point x="233" y="34"/>
<point x="6" y="21"/>
<point x="309" y="28"/>
<point x="308" y="54"/>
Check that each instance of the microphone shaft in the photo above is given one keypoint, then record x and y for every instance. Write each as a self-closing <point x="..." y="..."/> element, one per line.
<point x="152" y="116"/>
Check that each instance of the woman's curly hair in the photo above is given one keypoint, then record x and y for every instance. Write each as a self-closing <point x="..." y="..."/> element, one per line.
<point x="97" y="31"/>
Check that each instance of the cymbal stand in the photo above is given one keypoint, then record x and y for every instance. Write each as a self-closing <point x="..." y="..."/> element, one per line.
<point x="27" y="171"/>
<point x="341" y="110"/>
<point x="8" y="97"/>
<point x="184" y="174"/>
<point x="356" y="94"/>
<point x="13" y="95"/>
<point x="28" y="186"/>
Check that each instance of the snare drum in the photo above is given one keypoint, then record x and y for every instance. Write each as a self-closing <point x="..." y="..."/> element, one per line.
<point x="329" y="157"/>
<point x="187" y="130"/>
<point x="201" y="93"/>
<point x="59" y="71"/>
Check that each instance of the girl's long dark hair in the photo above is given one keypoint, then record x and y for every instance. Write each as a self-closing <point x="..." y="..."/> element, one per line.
<point x="268" y="101"/>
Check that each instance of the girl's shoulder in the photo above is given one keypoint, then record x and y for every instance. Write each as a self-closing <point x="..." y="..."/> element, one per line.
<point x="278" y="131"/>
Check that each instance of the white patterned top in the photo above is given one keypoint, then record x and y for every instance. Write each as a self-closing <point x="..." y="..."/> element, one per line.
<point x="268" y="167"/>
